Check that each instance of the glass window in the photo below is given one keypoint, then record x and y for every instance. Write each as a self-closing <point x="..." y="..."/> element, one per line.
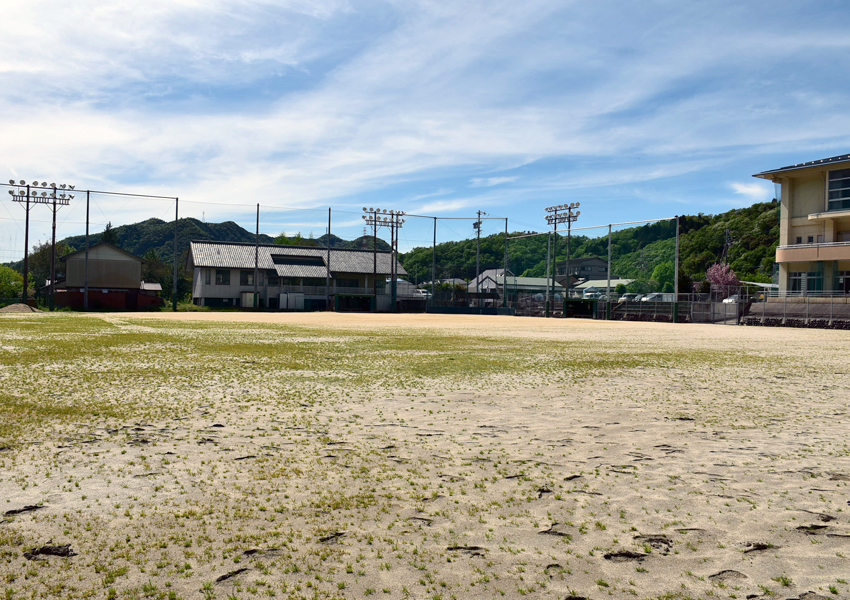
<point x="348" y="283"/>
<point x="603" y="269"/>
<point x="799" y="239"/>
<point x="802" y="281"/>
<point x="207" y="276"/>
<point x="222" y="276"/>
<point x="246" y="278"/>
<point x="839" y="190"/>
<point x="274" y="280"/>
<point x="314" y="281"/>
<point x="810" y="239"/>
<point x="795" y="281"/>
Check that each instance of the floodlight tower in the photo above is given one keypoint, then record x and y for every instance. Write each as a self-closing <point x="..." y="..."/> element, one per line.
<point x="28" y="194"/>
<point x="376" y="217"/>
<point x="563" y="213"/>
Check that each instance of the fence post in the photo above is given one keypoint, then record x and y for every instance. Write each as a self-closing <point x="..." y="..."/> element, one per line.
<point x="807" y="309"/>
<point x="785" y="310"/>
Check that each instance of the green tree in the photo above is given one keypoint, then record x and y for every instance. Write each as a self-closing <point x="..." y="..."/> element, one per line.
<point x="39" y="261"/>
<point x="109" y="235"/>
<point x="663" y="274"/>
<point x="155" y="270"/>
<point x="11" y="283"/>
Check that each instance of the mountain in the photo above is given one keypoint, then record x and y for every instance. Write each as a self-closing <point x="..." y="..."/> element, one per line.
<point x="158" y="235"/>
<point x="746" y="238"/>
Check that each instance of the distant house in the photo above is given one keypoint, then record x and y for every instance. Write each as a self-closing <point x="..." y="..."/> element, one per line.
<point x="114" y="281"/>
<point x="589" y="267"/>
<point x="493" y="281"/>
<point x="290" y="277"/>
<point x="601" y="285"/>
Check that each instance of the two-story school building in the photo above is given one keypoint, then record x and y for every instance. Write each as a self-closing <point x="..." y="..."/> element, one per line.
<point x="814" y="226"/>
<point x="290" y="277"/>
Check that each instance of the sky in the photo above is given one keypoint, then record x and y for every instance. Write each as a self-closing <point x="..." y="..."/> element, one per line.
<point x="636" y="110"/>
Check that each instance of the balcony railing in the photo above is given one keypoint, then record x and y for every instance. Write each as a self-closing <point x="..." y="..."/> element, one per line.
<point x="815" y="245"/>
<point x="320" y="290"/>
<point x="823" y="251"/>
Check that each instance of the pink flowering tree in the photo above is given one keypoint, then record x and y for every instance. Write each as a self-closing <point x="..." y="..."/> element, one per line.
<point x="722" y="277"/>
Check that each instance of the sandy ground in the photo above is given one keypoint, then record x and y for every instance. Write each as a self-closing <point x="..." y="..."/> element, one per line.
<point x="423" y="456"/>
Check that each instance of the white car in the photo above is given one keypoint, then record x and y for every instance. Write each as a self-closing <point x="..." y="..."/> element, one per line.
<point x="731" y="299"/>
<point x="422" y="294"/>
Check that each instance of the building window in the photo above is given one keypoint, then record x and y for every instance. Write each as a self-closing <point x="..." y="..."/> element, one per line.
<point x="799" y="239"/>
<point x="274" y="281"/>
<point x="839" y="190"/>
<point x="843" y="283"/>
<point x="802" y="281"/>
<point x="207" y="276"/>
<point x="820" y="239"/>
<point x="603" y="269"/>
<point x="810" y="239"/>
<point x="315" y="281"/>
<point x="222" y="276"/>
<point x="246" y="278"/>
<point x="347" y="283"/>
<point x="587" y="268"/>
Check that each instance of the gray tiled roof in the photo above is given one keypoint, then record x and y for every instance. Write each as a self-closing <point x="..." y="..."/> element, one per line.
<point x="301" y="270"/>
<point x="241" y="256"/>
<point x="228" y="256"/>
<point x="814" y="163"/>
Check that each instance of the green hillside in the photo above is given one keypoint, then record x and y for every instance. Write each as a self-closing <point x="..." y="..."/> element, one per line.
<point x="746" y="237"/>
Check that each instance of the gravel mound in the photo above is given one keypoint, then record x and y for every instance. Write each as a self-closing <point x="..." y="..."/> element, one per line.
<point x="19" y="308"/>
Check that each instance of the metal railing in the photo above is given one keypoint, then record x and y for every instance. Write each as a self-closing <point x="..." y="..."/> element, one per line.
<point x="813" y="245"/>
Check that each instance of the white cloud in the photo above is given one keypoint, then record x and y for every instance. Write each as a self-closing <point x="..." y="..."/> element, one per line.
<point x="753" y="192"/>
<point x="490" y="181"/>
<point x="301" y="104"/>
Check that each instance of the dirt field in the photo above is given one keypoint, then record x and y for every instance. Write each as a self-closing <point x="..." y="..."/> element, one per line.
<point x="236" y="455"/>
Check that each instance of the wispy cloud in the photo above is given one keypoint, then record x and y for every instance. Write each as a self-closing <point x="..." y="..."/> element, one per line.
<point x="313" y="103"/>
<point x="491" y="181"/>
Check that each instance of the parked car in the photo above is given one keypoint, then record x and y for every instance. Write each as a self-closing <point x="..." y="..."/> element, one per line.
<point x="731" y="299"/>
<point x="658" y="297"/>
<point x="630" y="298"/>
<point x="422" y="294"/>
<point x="595" y="296"/>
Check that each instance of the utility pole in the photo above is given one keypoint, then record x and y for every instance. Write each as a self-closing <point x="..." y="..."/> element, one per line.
<point x="676" y="277"/>
<point x="608" y="287"/>
<point x="328" y="275"/>
<point x="257" y="260"/>
<point x="505" y="269"/>
<point x="434" y="265"/>
<point x="174" y="266"/>
<point x="477" y="227"/>
<point x="86" y="282"/>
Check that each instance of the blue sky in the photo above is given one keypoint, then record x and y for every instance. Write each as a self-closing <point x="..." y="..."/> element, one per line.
<point x="637" y="110"/>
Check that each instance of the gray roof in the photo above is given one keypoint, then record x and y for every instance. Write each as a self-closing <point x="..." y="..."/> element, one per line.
<point x="813" y="163"/>
<point x="234" y="255"/>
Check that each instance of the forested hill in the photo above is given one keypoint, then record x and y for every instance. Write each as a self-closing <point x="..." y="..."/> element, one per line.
<point x="158" y="235"/>
<point x="747" y="237"/>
